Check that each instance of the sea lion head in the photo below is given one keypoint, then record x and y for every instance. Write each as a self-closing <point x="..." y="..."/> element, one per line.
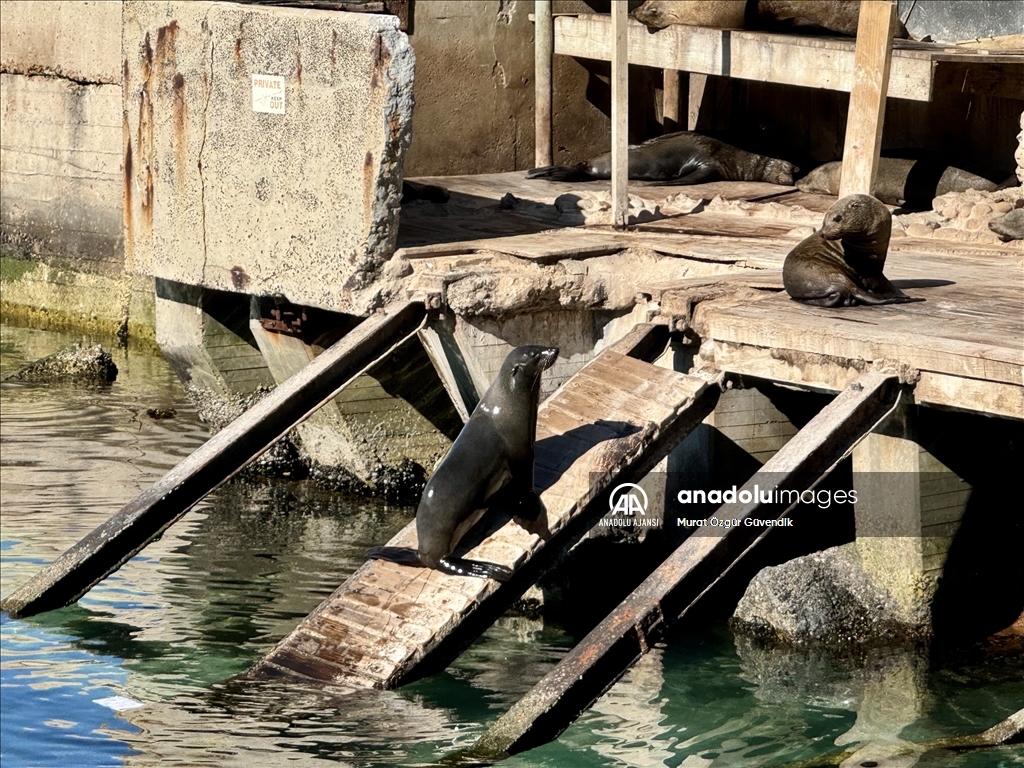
<point x="823" y="180"/>
<point x="780" y="172"/>
<point x="653" y="14"/>
<point x="724" y="14"/>
<point x="523" y="366"/>
<point x="859" y="216"/>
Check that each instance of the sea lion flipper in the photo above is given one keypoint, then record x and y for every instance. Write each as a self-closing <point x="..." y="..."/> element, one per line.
<point x="576" y="172"/>
<point x="400" y="555"/>
<point x="457" y="566"/>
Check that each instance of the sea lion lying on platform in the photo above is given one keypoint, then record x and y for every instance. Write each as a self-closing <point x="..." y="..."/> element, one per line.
<point x="841" y="264"/>
<point x="678" y="158"/>
<point x="900" y="180"/>
<point x="493" y="454"/>
<point x="721" y="14"/>
<point x="840" y="16"/>
<point x="1009" y="226"/>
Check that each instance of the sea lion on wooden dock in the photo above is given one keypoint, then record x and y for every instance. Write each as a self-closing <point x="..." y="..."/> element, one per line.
<point x="684" y="157"/>
<point x="841" y="264"/>
<point x="722" y="14"/>
<point x="494" y="453"/>
<point x="900" y="180"/>
<point x="840" y="16"/>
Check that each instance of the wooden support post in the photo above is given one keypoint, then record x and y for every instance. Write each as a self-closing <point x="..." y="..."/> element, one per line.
<point x="125" y="533"/>
<point x="543" y="51"/>
<point x="677" y="584"/>
<point x="697" y="85"/>
<point x="872" y="59"/>
<point x="670" y="99"/>
<point x="620" y="114"/>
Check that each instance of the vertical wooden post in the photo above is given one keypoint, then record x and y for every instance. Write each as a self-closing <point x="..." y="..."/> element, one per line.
<point x="620" y="114"/>
<point x="543" y="50"/>
<point x="695" y="96"/>
<point x="670" y="97"/>
<point x="867" y="97"/>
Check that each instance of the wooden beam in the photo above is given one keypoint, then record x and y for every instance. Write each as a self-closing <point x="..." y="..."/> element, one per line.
<point x="670" y="101"/>
<point x="128" y="531"/>
<point x="620" y="114"/>
<point x="872" y="62"/>
<point x="676" y="585"/>
<point x="695" y="98"/>
<point x="825" y="62"/>
<point x="543" y="50"/>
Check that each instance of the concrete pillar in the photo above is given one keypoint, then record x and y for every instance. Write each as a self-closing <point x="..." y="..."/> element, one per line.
<point x="908" y="509"/>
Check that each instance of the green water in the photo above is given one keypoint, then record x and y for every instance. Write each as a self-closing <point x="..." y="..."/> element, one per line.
<point x="172" y="627"/>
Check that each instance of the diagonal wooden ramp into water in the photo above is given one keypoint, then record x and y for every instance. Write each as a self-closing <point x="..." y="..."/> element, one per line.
<point x="608" y="424"/>
<point x="125" y="533"/>
<point x="677" y="584"/>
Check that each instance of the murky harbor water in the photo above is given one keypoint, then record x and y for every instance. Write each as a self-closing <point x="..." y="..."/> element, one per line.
<point x="171" y="628"/>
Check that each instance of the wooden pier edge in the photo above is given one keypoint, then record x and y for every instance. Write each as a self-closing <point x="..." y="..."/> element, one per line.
<point x="630" y="630"/>
<point x="128" y="531"/>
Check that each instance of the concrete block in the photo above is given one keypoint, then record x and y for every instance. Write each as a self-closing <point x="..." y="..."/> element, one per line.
<point x="60" y="171"/>
<point x="80" y="41"/>
<point x="301" y="201"/>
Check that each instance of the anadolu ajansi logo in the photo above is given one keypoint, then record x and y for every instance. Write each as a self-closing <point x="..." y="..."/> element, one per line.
<point x="628" y="498"/>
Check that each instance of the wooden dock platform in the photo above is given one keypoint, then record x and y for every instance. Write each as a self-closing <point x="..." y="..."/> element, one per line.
<point x="390" y="624"/>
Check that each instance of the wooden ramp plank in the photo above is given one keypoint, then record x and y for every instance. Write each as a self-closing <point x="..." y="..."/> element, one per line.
<point x="676" y="585"/>
<point x="597" y="430"/>
<point x="125" y="533"/>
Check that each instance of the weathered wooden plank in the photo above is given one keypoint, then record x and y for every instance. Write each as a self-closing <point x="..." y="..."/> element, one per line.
<point x="872" y="60"/>
<point x="774" y="58"/>
<point x="678" y="583"/>
<point x="543" y="47"/>
<point x="584" y="432"/>
<point x="125" y="533"/>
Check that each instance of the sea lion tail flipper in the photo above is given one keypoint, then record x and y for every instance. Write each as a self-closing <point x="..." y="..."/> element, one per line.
<point x="577" y="172"/>
<point x="400" y="555"/>
<point x="875" y="299"/>
<point x="456" y="566"/>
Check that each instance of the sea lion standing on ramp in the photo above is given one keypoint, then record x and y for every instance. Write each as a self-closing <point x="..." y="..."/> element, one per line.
<point x="684" y="157"/>
<point x="493" y="453"/>
<point x="841" y="264"/>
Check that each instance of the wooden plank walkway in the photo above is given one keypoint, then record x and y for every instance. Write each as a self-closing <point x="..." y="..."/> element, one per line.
<point x="390" y="624"/>
<point x="962" y="345"/>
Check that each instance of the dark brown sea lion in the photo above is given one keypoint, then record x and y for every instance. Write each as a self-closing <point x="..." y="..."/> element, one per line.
<point x="900" y="180"/>
<point x="839" y="16"/>
<point x="494" y="453"/>
<point x="841" y="264"/>
<point x="679" y="158"/>
<point x="1009" y="226"/>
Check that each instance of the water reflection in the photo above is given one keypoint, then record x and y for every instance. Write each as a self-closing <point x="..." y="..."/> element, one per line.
<point x="176" y="624"/>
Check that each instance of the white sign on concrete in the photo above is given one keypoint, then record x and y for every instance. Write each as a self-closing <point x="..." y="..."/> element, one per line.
<point x="268" y="94"/>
